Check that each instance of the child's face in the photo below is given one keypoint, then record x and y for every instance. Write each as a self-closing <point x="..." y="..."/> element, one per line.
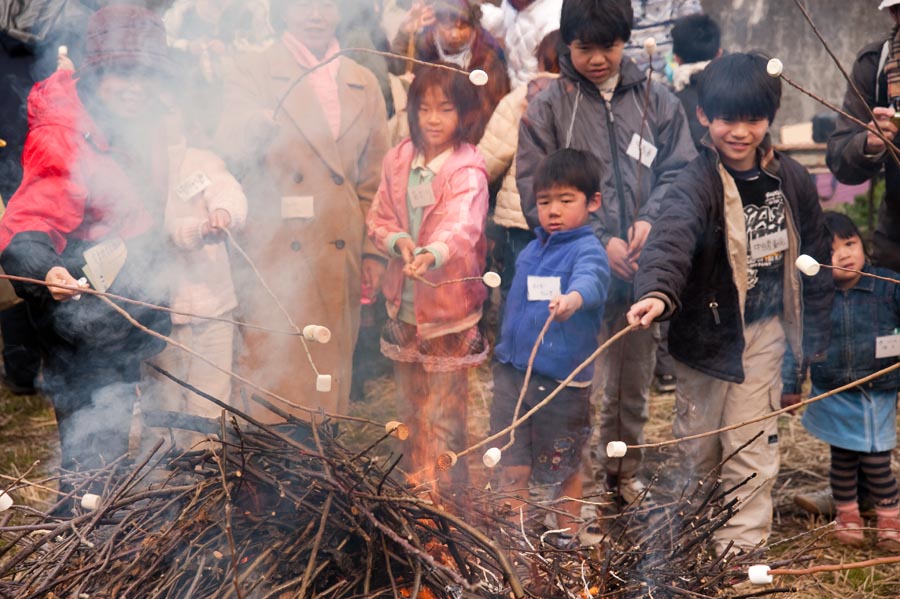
<point x="847" y="253"/>
<point x="438" y="121"/>
<point x="597" y="63"/>
<point x="736" y="139"/>
<point x="563" y="208"/>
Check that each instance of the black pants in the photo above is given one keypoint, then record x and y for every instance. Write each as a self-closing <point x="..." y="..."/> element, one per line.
<point x="21" y="351"/>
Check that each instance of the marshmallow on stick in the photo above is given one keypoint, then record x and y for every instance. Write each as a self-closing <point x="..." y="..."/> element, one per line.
<point x="774" y="67"/>
<point x="808" y="265"/>
<point x="491" y="457"/>
<point x="478" y="77"/>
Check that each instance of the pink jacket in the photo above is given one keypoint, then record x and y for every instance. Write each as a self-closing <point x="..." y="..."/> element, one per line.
<point x="454" y="225"/>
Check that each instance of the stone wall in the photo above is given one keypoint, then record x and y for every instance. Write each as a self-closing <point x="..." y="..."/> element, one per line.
<point x="778" y="28"/>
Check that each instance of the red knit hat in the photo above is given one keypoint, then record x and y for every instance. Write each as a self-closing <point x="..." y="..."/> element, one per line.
<point x="122" y="35"/>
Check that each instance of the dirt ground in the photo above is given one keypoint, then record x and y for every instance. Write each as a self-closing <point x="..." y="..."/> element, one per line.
<point x="28" y="435"/>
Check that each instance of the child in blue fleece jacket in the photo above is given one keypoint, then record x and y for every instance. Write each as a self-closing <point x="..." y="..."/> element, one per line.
<point x="563" y="272"/>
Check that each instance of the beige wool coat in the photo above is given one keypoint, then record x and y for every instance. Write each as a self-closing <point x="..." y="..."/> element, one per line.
<point x="308" y="194"/>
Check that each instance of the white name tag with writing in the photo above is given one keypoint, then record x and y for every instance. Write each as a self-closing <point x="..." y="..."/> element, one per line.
<point x="297" y="207"/>
<point x="421" y="196"/>
<point x="887" y="346"/>
<point x="194" y="184"/>
<point x="543" y="288"/>
<point x="103" y="262"/>
<point x="766" y="245"/>
<point x="641" y="149"/>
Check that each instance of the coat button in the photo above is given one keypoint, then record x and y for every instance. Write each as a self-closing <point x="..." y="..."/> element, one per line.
<point x="298" y="178"/>
<point x="338" y="180"/>
<point x="295" y="245"/>
<point x="340" y="244"/>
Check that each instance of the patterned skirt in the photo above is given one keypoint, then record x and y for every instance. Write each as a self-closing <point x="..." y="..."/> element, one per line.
<point x="455" y="351"/>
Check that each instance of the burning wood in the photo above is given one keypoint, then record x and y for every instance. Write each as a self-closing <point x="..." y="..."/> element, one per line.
<point x="268" y="515"/>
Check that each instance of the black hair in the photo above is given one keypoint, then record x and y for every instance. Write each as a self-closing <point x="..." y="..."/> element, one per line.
<point x="696" y="38"/>
<point x="569" y="168"/>
<point x="547" y="52"/>
<point x="841" y="226"/>
<point x="737" y="86"/>
<point x="457" y="89"/>
<point x="600" y="22"/>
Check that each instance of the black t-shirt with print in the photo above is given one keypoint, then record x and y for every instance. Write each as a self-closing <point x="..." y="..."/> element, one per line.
<point x="764" y="206"/>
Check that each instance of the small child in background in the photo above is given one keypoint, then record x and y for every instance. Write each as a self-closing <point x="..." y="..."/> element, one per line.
<point x="429" y="215"/>
<point x="563" y="272"/>
<point x="204" y="200"/>
<point x="860" y="423"/>
<point x="696" y="41"/>
<point x="498" y="146"/>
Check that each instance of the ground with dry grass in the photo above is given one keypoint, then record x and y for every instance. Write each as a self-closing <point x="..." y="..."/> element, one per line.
<point x="27" y="435"/>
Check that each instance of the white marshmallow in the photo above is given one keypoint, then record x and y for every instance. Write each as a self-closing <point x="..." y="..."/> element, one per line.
<point x="807" y="265"/>
<point x="323" y="383"/>
<point x="397" y="429"/>
<point x="317" y="333"/>
<point x="63" y="50"/>
<point x="774" y="67"/>
<point x="616" y="449"/>
<point x="650" y="45"/>
<point x="491" y="457"/>
<point x="491" y="279"/>
<point x="478" y="77"/>
<point x="90" y="501"/>
<point x="82" y="282"/>
<point x="759" y="574"/>
<point x="6" y="502"/>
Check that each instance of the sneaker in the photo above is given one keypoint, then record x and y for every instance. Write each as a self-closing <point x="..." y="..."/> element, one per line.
<point x="848" y="529"/>
<point x="888" y="534"/>
<point x="665" y="383"/>
<point x="818" y="503"/>
<point x="821" y="503"/>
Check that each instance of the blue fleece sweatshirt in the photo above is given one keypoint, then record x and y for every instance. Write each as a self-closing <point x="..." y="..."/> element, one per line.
<point x="580" y="262"/>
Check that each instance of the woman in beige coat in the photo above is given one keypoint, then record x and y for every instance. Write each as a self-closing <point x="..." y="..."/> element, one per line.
<point x="309" y="154"/>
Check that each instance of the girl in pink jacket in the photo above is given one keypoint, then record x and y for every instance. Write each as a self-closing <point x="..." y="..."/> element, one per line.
<point x="429" y="215"/>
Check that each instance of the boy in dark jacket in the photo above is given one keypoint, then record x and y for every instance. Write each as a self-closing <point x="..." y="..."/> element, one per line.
<point x="722" y="270"/>
<point x="564" y="270"/>
<point x="597" y="105"/>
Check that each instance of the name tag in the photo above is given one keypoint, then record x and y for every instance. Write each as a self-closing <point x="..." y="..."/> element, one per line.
<point x="103" y="263"/>
<point x="769" y="244"/>
<point x="421" y="196"/>
<point x="887" y="346"/>
<point x="641" y="149"/>
<point x="194" y="184"/>
<point x="297" y="207"/>
<point x="543" y="288"/>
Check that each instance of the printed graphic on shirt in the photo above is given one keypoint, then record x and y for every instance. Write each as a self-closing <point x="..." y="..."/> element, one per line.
<point x="767" y="236"/>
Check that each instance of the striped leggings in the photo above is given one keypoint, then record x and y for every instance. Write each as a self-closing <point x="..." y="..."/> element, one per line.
<point x="846" y="465"/>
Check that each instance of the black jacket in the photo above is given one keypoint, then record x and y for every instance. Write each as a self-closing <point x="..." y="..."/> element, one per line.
<point x="846" y="157"/>
<point x="686" y="263"/>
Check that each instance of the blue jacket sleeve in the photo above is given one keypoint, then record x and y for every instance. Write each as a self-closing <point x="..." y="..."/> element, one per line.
<point x="590" y="277"/>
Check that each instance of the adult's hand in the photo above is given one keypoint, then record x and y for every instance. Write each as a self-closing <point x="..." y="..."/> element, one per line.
<point x="875" y="144"/>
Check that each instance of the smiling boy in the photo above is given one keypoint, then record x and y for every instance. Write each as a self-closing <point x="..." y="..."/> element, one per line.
<point x="564" y="272"/>
<point x="722" y="271"/>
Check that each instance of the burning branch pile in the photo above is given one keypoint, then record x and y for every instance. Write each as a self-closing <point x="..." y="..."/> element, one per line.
<point x="265" y="515"/>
